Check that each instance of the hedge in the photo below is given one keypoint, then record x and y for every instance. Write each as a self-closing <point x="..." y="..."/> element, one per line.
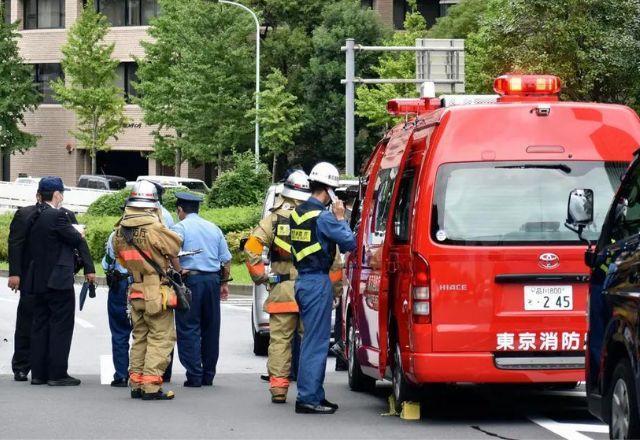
<point x="111" y="204"/>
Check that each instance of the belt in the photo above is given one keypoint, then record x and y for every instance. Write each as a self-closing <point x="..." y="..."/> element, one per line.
<point x="119" y="276"/>
<point x="280" y="278"/>
<point x="315" y="272"/>
<point x="200" y="272"/>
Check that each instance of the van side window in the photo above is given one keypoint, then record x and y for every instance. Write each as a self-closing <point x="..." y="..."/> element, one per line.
<point x="382" y="197"/>
<point x="404" y="205"/>
<point x="626" y="215"/>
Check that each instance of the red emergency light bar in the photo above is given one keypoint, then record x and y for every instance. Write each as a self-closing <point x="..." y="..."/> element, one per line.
<point x="527" y="85"/>
<point x="412" y="106"/>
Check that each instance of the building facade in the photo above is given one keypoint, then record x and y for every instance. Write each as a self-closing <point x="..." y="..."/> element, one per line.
<point x="393" y="12"/>
<point x="43" y="27"/>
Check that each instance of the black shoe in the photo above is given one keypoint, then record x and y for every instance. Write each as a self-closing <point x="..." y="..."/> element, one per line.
<point x="264" y="377"/>
<point x="21" y="376"/>
<point x="136" y="394"/>
<point x="325" y="402"/>
<point x="307" y="408"/>
<point x="64" y="382"/>
<point x="207" y="382"/>
<point x="189" y="384"/>
<point x="35" y="381"/>
<point x="159" y="395"/>
<point x="341" y="365"/>
<point x="120" y="383"/>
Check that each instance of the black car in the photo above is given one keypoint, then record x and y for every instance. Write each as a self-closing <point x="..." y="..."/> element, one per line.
<point x="102" y="181"/>
<point x="612" y="355"/>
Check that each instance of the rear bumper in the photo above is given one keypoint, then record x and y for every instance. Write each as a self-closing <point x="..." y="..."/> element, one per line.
<point x="479" y="368"/>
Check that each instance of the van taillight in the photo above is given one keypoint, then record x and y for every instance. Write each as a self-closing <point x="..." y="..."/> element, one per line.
<point x="421" y="290"/>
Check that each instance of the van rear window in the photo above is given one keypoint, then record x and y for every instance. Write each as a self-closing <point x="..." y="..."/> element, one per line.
<point x="518" y="203"/>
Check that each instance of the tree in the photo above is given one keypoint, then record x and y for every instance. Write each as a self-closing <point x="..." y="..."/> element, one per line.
<point x="593" y="45"/>
<point x="279" y="117"/>
<point x="371" y="102"/>
<point x="461" y="20"/>
<point x="196" y="81"/>
<point x="88" y="88"/>
<point x="17" y="94"/>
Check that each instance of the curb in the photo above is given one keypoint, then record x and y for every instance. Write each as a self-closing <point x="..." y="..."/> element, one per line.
<point x="234" y="289"/>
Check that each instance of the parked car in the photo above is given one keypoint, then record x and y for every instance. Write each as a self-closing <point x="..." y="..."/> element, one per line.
<point x="613" y="357"/>
<point x="259" y="318"/>
<point x="196" y="185"/>
<point x="105" y="182"/>
<point x="28" y="180"/>
<point x="463" y="271"/>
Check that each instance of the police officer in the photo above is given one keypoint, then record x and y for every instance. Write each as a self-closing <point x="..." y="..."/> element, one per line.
<point x="273" y="233"/>
<point x="118" y="282"/>
<point x="153" y="328"/>
<point x="207" y="275"/>
<point x="315" y="232"/>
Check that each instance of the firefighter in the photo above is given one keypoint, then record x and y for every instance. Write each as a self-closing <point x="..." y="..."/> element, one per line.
<point x="154" y="334"/>
<point x="314" y="233"/>
<point x="273" y="233"/>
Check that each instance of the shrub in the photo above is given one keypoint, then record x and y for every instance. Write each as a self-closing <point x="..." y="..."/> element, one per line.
<point x="98" y="231"/>
<point x="233" y="219"/>
<point x="109" y="204"/>
<point x="241" y="186"/>
<point x="233" y="241"/>
<point x="5" y="221"/>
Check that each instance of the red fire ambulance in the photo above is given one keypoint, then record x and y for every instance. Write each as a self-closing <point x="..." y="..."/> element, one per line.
<point x="464" y="270"/>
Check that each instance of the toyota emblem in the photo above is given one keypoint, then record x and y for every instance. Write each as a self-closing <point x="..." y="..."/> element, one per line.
<point x="548" y="261"/>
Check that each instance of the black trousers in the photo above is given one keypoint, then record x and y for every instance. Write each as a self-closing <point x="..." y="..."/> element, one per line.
<point x="53" y="321"/>
<point x="21" y="360"/>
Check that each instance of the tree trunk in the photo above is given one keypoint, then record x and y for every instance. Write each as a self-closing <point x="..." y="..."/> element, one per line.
<point x="274" y="167"/>
<point x="219" y="164"/>
<point x="178" y="163"/>
<point x="94" y="162"/>
<point x="94" y="149"/>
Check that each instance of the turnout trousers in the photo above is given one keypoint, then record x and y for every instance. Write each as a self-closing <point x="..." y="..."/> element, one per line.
<point x="21" y="361"/>
<point x="199" y="329"/>
<point x="315" y="298"/>
<point x="120" y="328"/>
<point x="51" y="333"/>
<point x="283" y="328"/>
<point x="153" y="339"/>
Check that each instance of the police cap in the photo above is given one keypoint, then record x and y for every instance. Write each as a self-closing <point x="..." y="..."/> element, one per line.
<point x="186" y="199"/>
<point x="50" y="183"/>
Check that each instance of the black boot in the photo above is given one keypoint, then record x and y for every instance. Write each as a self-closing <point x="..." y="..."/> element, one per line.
<point x="159" y="395"/>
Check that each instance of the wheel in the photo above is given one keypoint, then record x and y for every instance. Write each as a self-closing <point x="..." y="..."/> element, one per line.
<point x="260" y="341"/>
<point x="624" y="421"/>
<point x="358" y="381"/>
<point x="402" y="390"/>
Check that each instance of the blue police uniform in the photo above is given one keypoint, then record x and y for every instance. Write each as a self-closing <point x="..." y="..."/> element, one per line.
<point x="198" y="329"/>
<point x="314" y="235"/>
<point x="167" y="219"/>
<point x="117" y="310"/>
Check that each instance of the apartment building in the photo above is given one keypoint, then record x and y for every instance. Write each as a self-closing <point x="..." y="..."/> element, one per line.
<point x="43" y="27"/>
<point x="393" y="12"/>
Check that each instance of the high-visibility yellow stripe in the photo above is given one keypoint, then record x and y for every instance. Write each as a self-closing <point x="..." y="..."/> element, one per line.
<point x="282" y="244"/>
<point x="303" y="218"/>
<point x="307" y="251"/>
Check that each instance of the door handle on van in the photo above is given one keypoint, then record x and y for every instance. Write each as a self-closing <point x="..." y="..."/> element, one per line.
<point x="392" y="266"/>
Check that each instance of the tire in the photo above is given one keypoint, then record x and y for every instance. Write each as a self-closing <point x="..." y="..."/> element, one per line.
<point x="402" y="390"/>
<point x="260" y="341"/>
<point x="358" y="381"/>
<point x="624" y="420"/>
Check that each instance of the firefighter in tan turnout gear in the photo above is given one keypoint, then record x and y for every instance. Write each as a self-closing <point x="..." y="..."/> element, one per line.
<point x="154" y="334"/>
<point x="273" y="233"/>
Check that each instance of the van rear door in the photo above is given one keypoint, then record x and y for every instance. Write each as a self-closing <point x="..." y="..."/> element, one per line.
<point x="506" y="274"/>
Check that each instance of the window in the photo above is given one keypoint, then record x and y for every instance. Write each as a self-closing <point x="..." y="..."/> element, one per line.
<point x="513" y="203"/>
<point x="367" y="4"/>
<point x="6" y="11"/>
<point x="625" y="220"/>
<point x="128" y="12"/>
<point x="430" y="10"/>
<point x="125" y="77"/>
<point x="43" y="75"/>
<point x="382" y="196"/>
<point x="404" y="205"/>
<point x="445" y="5"/>
<point x="43" y="14"/>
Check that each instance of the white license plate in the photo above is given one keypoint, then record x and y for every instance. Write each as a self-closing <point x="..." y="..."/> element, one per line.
<point x="548" y="297"/>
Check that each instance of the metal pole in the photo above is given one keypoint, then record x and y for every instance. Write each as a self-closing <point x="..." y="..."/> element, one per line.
<point x="350" y="107"/>
<point x="257" y="122"/>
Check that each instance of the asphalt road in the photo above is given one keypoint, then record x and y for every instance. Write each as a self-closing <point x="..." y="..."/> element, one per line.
<point x="238" y="406"/>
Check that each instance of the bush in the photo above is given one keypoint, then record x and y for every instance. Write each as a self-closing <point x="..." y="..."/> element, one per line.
<point x="241" y="186"/>
<point x="233" y="241"/>
<point x="5" y="221"/>
<point x="233" y="219"/>
<point x="109" y="204"/>
<point x="98" y="231"/>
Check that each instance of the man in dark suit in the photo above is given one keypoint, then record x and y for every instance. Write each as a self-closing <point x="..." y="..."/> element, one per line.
<point x="50" y="278"/>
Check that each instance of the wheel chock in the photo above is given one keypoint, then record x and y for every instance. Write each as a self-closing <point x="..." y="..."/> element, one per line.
<point x="410" y="411"/>
<point x="393" y="408"/>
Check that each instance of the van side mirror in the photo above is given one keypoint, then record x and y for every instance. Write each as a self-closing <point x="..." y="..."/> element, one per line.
<point x="580" y="211"/>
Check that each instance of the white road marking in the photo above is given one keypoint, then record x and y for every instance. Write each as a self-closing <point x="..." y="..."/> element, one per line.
<point x="84" y="324"/>
<point x="106" y="369"/>
<point x="569" y="431"/>
<point x="230" y="306"/>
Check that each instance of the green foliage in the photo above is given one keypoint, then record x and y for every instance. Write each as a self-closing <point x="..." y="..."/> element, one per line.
<point x="97" y="233"/>
<point x="593" y="45"/>
<point x="279" y="116"/>
<point x="235" y="218"/>
<point x="17" y="94"/>
<point x="5" y="221"/>
<point x="240" y="186"/>
<point x="88" y="87"/>
<point x="461" y="20"/>
<point x="371" y="102"/>
<point x="109" y="204"/>
<point x="233" y="241"/>
<point x="196" y="80"/>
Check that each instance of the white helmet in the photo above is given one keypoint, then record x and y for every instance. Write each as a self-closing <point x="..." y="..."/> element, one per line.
<point x="297" y="186"/>
<point x="144" y="194"/>
<point x="325" y="173"/>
